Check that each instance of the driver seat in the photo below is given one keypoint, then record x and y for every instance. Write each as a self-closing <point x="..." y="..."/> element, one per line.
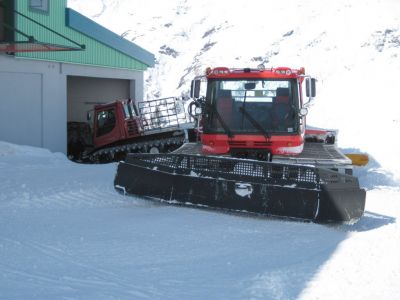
<point x="281" y="109"/>
<point x="224" y="106"/>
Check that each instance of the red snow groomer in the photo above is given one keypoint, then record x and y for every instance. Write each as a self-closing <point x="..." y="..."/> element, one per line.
<point x="255" y="153"/>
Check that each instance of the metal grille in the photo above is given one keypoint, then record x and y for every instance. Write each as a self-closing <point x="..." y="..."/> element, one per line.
<point x="320" y="151"/>
<point x="218" y="167"/>
<point x="244" y="143"/>
<point x="162" y="113"/>
<point x="246" y="170"/>
<point x="132" y="127"/>
<point x="237" y="143"/>
<point x="262" y="144"/>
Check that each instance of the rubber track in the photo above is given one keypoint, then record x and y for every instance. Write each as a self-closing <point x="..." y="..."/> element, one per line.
<point x="133" y="147"/>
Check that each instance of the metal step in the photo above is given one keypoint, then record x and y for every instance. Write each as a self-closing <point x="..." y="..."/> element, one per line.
<point x="319" y="155"/>
<point x="314" y="154"/>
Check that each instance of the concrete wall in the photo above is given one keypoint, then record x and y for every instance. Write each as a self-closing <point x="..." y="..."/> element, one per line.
<point x="21" y="108"/>
<point x="33" y="99"/>
<point x="84" y="92"/>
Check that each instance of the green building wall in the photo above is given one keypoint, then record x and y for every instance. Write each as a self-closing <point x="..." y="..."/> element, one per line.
<point x="95" y="54"/>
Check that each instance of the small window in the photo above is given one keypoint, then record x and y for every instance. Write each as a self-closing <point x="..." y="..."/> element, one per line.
<point x="126" y="111"/>
<point x="105" y="121"/>
<point x="40" y="5"/>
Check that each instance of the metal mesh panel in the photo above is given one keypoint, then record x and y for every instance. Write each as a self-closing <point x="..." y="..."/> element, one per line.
<point x="229" y="168"/>
<point x="218" y="166"/>
<point x="162" y="113"/>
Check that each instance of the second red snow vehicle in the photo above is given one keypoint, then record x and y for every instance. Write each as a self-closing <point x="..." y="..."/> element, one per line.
<point x="255" y="154"/>
<point x="123" y="126"/>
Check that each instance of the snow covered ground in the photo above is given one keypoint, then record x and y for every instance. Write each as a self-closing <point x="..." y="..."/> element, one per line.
<point x="66" y="234"/>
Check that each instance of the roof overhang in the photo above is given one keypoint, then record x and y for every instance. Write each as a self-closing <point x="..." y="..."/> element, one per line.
<point x="28" y="46"/>
<point x="97" y="32"/>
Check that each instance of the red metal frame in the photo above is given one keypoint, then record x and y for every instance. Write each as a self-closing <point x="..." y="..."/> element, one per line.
<point x="272" y="73"/>
<point x="276" y="144"/>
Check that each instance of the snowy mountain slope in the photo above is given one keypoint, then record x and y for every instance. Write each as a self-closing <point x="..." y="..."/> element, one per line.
<point x="66" y="234"/>
<point x="352" y="47"/>
<point x="326" y="39"/>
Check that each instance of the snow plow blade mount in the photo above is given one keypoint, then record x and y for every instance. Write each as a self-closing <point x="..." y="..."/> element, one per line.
<point x="272" y="189"/>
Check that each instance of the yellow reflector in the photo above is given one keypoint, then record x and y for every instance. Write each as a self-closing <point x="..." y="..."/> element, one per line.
<point x="358" y="159"/>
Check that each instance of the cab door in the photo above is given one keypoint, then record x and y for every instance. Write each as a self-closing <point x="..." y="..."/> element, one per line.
<point x="106" y="129"/>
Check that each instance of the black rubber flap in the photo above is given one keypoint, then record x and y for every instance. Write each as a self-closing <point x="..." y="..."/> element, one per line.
<point x="242" y="185"/>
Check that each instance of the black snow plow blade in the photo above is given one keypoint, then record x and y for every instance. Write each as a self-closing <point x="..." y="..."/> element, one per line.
<point x="284" y="190"/>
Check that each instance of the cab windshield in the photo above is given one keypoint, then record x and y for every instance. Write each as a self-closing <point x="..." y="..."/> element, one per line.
<point x="252" y="106"/>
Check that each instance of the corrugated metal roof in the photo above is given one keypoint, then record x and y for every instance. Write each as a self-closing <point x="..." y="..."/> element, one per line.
<point x="93" y="30"/>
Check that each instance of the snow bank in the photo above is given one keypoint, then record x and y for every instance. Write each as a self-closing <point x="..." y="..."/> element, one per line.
<point x="7" y="149"/>
<point x="35" y="178"/>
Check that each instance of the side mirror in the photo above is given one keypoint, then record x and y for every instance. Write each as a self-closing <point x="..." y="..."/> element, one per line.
<point x="310" y="87"/>
<point x="249" y="86"/>
<point x="194" y="109"/>
<point x="195" y="89"/>
<point x="198" y="111"/>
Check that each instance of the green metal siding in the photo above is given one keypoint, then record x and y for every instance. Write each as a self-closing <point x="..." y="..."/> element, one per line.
<point x="96" y="53"/>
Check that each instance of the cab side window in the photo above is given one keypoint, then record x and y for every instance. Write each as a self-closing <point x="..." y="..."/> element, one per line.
<point x="105" y="121"/>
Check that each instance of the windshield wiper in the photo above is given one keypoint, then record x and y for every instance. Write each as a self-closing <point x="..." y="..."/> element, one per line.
<point x="253" y="122"/>
<point x="222" y="122"/>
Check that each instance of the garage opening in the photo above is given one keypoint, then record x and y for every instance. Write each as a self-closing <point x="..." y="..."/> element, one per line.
<point x="83" y="93"/>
